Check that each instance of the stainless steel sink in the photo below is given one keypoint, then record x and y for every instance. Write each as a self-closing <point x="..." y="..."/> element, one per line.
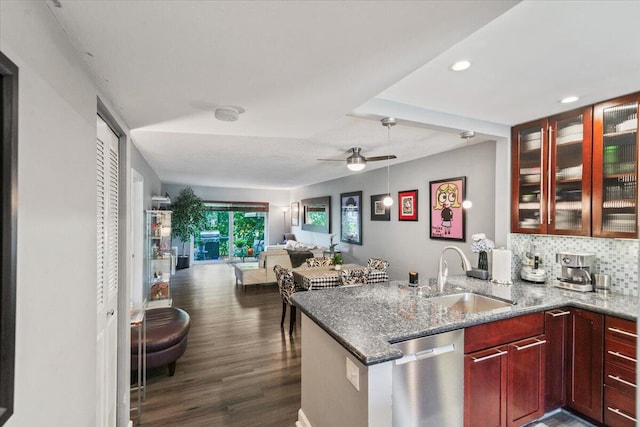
<point x="469" y="302"/>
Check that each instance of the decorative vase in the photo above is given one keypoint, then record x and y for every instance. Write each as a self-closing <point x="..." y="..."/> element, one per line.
<point x="337" y="267"/>
<point x="483" y="261"/>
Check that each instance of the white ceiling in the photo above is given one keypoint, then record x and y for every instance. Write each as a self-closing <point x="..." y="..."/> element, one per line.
<point x="316" y="77"/>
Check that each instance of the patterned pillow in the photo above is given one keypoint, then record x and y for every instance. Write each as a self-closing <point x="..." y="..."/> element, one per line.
<point x="377" y="264"/>
<point x="354" y="277"/>
<point x="322" y="261"/>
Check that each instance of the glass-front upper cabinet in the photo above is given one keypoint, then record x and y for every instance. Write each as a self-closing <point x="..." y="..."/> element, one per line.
<point x="570" y="173"/>
<point x="615" y="168"/>
<point x="551" y="175"/>
<point x="528" y="182"/>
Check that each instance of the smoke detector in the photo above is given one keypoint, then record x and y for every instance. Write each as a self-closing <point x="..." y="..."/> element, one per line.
<point x="467" y="134"/>
<point x="228" y="113"/>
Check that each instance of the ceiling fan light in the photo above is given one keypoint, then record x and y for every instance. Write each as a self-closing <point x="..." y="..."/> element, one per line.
<point x="356" y="162"/>
<point x="355" y="166"/>
<point x="387" y="201"/>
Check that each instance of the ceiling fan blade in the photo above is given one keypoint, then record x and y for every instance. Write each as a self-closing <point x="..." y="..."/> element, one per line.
<point x="376" y="158"/>
<point x="333" y="160"/>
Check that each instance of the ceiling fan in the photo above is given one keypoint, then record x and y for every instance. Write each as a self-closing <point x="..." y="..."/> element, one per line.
<point x="357" y="161"/>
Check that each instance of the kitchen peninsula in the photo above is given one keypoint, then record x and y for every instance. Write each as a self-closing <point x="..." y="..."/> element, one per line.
<point x="349" y="336"/>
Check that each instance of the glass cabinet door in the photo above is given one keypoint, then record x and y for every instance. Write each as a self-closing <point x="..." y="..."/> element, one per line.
<point x="158" y="258"/>
<point x="529" y="179"/>
<point x="615" y="169"/>
<point x="570" y="174"/>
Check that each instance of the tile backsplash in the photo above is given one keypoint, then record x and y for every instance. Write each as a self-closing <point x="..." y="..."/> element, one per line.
<point x="616" y="257"/>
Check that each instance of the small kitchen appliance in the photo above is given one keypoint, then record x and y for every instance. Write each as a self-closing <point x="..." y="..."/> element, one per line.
<point x="577" y="271"/>
<point x="531" y="269"/>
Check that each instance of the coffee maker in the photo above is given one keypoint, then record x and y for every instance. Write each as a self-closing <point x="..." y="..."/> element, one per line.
<point x="577" y="270"/>
<point x="531" y="269"/>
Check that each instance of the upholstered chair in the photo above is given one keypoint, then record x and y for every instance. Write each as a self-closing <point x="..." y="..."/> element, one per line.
<point x="286" y="287"/>
<point x="354" y="277"/>
<point x="377" y="270"/>
<point x="323" y="261"/>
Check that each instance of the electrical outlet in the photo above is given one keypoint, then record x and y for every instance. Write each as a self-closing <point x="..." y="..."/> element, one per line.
<point x="353" y="374"/>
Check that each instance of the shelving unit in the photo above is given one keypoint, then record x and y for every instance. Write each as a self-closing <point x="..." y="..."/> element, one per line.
<point x="158" y="258"/>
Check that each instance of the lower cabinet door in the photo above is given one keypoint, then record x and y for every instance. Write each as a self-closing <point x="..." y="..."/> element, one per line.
<point x="525" y="380"/>
<point x="485" y="391"/>
<point x="585" y="376"/>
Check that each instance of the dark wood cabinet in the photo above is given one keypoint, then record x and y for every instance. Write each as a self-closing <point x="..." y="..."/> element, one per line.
<point x="556" y="329"/>
<point x="504" y="372"/>
<point x="525" y="380"/>
<point x="615" y="167"/>
<point x="485" y="388"/>
<point x="551" y="175"/>
<point x="585" y="366"/>
<point x="576" y="173"/>
<point x="620" y="372"/>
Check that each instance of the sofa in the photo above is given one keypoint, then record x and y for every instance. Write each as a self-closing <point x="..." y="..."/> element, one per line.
<point x="252" y="273"/>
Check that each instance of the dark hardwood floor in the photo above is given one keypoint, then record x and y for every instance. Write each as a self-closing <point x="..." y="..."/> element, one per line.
<point x="239" y="369"/>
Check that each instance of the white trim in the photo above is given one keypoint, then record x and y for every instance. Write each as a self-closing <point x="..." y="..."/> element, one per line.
<point x="302" y="419"/>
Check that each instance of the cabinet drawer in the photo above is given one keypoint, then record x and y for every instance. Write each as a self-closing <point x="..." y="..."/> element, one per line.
<point x="619" y="409"/>
<point x="620" y="354"/>
<point x="503" y="331"/>
<point x="620" y="378"/>
<point x="621" y="330"/>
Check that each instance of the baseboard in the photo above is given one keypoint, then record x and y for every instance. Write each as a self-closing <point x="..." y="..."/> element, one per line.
<point x="302" y="419"/>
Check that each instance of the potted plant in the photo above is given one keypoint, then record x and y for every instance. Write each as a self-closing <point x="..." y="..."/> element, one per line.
<point x="187" y="219"/>
<point x="337" y="261"/>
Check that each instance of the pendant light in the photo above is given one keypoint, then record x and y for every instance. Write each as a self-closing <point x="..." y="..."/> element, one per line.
<point x="388" y="122"/>
<point x="467" y="135"/>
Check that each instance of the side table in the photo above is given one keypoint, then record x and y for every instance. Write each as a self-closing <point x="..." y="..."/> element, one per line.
<point x="139" y="321"/>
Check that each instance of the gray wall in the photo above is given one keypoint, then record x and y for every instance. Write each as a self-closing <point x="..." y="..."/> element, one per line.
<point x="152" y="184"/>
<point x="407" y="244"/>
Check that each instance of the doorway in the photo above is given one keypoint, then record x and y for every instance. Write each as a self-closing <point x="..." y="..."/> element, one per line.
<point x="235" y="231"/>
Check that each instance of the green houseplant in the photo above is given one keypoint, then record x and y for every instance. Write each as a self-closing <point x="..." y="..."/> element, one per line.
<point x="337" y="261"/>
<point x="187" y="219"/>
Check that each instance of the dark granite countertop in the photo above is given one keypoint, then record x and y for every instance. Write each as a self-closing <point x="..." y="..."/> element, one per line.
<point x="367" y="319"/>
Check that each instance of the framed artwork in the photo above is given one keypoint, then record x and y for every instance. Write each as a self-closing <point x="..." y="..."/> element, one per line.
<point x="351" y="217"/>
<point x="446" y="215"/>
<point x="379" y="212"/>
<point x="408" y="205"/>
<point x="295" y="213"/>
<point x="316" y="214"/>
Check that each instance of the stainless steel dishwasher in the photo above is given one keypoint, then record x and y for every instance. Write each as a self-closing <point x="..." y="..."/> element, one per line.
<point x="428" y="381"/>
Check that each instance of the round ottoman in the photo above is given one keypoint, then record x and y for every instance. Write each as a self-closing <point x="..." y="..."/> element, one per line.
<point x="167" y="330"/>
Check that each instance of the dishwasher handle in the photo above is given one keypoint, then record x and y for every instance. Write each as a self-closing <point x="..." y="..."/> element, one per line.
<point x="425" y="354"/>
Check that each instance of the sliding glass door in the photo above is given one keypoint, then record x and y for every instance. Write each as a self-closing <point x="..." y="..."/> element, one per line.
<point x="235" y="232"/>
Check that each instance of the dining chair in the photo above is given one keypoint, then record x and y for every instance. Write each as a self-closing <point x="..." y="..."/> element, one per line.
<point x="321" y="261"/>
<point x="286" y="287"/>
<point x="354" y="277"/>
<point x="377" y="270"/>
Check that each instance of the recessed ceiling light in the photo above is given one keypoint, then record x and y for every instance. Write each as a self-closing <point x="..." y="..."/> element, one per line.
<point x="569" y="99"/>
<point x="461" y="65"/>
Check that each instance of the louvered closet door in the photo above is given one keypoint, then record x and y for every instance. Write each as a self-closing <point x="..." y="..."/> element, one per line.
<point x="107" y="277"/>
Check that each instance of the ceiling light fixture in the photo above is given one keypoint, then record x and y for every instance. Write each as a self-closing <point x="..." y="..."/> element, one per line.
<point x="228" y="113"/>
<point x="388" y="122"/>
<point x="569" y="99"/>
<point x="356" y="161"/>
<point x="460" y="65"/>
